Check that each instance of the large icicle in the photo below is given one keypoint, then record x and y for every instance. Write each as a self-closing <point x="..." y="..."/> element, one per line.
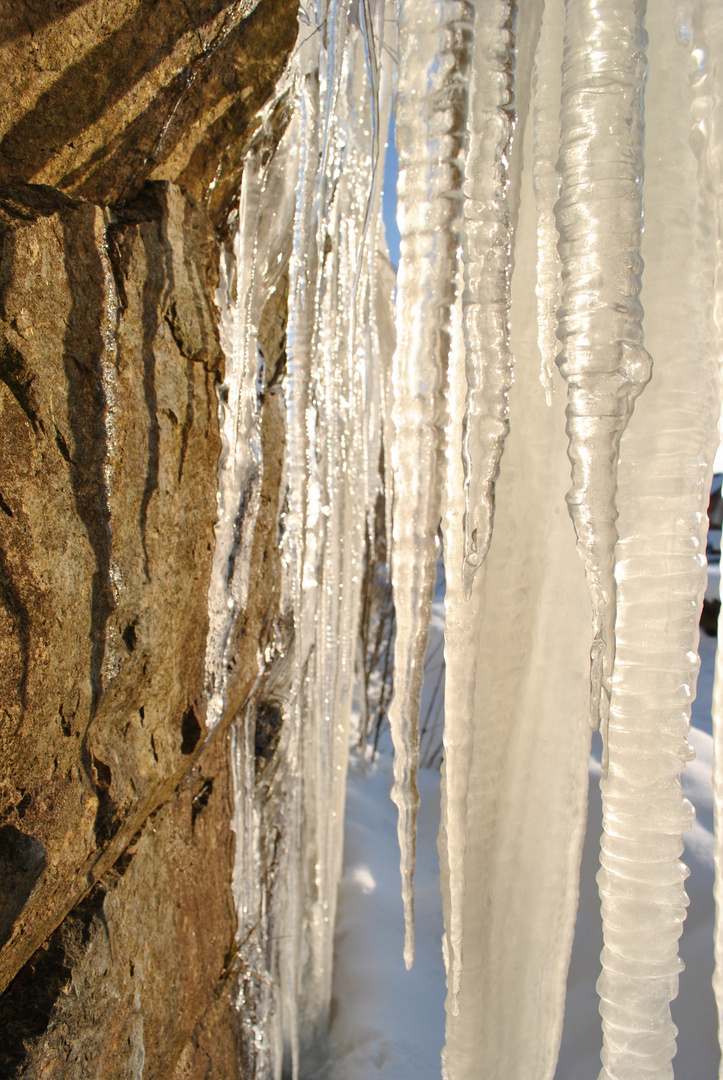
<point x="524" y="811"/>
<point x="708" y="80"/>
<point x="434" y="41"/>
<point x="664" y="481"/>
<point x="599" y="218"/>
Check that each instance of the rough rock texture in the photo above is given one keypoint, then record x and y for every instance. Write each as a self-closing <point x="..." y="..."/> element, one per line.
<point x="121" y="137"/>
<point x="109" y="448"/>
<point x="100" y="95"/>
<point x="135" y="981"/>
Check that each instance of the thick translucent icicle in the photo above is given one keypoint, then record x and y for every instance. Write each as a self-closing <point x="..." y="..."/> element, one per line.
<point x="523" y="814"/>
<point x="663" y="484"/>
<point x="708" y="84"/>
<point x="599" y="218"/>
<point x="430" y="109"/>
<point x="487" y="253"/>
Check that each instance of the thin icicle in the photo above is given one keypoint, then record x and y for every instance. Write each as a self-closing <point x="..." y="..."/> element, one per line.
<point x="431" y="104"/>
<point x="461" y="629"/>
<point x="241" y="453"/>
<point x="547" y="91"/>
<point x="487" y="253"/>
<point x="599" y="218"/>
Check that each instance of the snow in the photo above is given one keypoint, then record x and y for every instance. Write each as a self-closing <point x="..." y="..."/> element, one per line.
<point x="387" y="1022"/>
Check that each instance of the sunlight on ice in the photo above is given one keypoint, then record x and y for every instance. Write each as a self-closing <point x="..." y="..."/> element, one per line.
<point x="560" y="171"/>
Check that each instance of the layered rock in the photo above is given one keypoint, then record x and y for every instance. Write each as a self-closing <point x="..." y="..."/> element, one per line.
<point x="123" y="130"/>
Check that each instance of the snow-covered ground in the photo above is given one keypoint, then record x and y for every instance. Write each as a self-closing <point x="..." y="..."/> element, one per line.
<point x="388" y="1024"/>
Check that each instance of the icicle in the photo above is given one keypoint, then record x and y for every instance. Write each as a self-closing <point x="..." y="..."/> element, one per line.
<point x="486" y="250"/>
<point x="708" y="76"/>
<point x="333" y="398"/>
<point x="241" y="452"/>
<point x="663" y="485"/>
<point x="547" y="93"/>
<point x="521" y="819"/>
<point x="319" y="72"/>
<point x="482" y="350"/>
<point x="433" y="56"/>
<point x="490" y="206"/>
<point x="461" y="627"/>
<point x="602" y="359"/>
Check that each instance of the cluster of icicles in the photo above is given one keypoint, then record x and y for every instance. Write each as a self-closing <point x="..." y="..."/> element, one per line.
<point x="531" y="135"/>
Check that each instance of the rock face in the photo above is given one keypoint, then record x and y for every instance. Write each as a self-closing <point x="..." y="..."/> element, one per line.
<point x="123" y="128"/>
<point x="100" y="95"/>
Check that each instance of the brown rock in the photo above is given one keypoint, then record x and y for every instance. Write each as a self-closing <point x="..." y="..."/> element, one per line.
<point x="101" y="95"/>
<point x="122" y="135"/>
<point x="137" y="978"/>
<point x="107" y="472"/>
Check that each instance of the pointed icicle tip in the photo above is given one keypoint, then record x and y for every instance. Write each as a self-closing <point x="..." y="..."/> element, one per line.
<point x="409" y="945"/>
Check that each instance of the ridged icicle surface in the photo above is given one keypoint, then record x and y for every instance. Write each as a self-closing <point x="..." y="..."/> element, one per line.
<point x="308" y="221"/>
<point x="434" y="41"/>
<point x="599" y="220"/>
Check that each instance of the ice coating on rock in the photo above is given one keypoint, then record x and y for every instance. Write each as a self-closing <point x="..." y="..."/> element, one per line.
<point x="309" y="215"/>
<point x="430" y="110"/>
<point x="602" y="358"/>
<point x="241" y="452"/>
<point x="486" y="249"/>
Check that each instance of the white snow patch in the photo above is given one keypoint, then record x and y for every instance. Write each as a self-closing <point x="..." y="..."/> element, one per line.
<point x="387" y="1022"/>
